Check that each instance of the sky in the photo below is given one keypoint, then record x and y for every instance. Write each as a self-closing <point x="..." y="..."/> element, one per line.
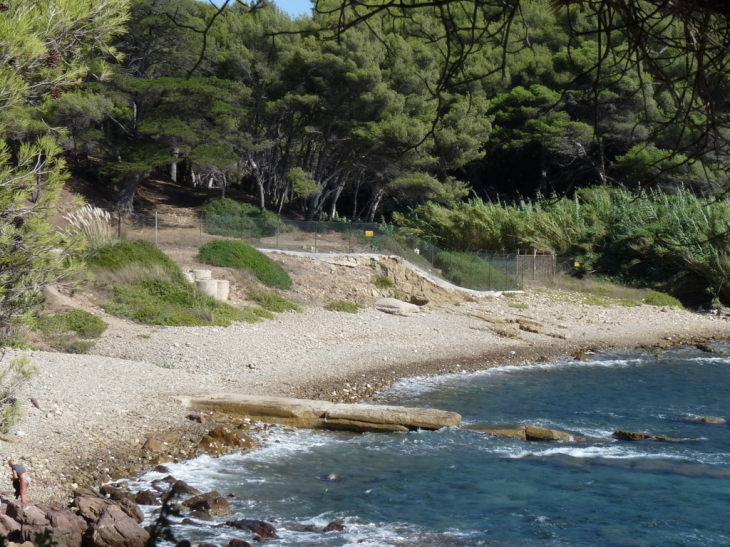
<point x="295" y="7"/>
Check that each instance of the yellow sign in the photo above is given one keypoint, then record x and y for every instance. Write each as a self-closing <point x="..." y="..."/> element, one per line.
<point x="369" y="233"/>
<point x="577" y="264"/>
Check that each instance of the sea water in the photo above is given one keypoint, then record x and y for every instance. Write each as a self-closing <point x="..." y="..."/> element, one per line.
<point x="457" y="487"/>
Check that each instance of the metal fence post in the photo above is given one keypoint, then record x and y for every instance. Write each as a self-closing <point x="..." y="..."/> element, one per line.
<point x="316" y="233"/>
<point x="278" y="221"/>
<point x="156" y="239"/>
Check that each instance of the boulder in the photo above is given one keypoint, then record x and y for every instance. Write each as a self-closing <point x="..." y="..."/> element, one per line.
<point x="115" y="493"/>
<point x="635" y="436"/>
<point x="9" y="528"/>
<point x="67" y="529"/>
<point x="147" y="497"/>
<point x="334" y="526"/>
<point x="712" y="420"/>
<point x="221" y="439"/>
<point x="211" y="503"/>
<point x="524" y="432"/>
<point x="534" y="433"/>
<point x="155" y="445"/>
<point x="117" y="529"/>
<point x="263" y="529"/>
<point x="236" y="543"/>
<point x="161" y="469"/>
<point x="396" y="307"/>
<point x="181" y="487"/>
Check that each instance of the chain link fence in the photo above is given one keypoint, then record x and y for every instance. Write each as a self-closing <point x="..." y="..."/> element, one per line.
<point x="479" y="271"/>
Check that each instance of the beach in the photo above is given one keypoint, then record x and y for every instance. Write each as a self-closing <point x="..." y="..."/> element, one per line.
<point x="96" y="411"/>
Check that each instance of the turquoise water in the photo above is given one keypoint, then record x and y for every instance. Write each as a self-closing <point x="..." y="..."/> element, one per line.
<point x="458" y="487"/>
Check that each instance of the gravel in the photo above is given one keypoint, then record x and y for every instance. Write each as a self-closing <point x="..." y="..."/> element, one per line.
<point x="97" y="410"/>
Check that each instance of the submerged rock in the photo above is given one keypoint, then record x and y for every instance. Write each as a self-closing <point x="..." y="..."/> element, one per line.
<point x="525" y="432"/>
<point x="714" y="420"/>
<point x="211" y="503"/>
<point x="263" y="529"/>
<point x="636" y="436"/>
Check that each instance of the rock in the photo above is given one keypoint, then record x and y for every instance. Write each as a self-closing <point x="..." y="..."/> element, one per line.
<point x="704" y="347"/>
<point x="86" y="493"/>
<point x="9" y="528"/>
<point x="67" y="529"/>
<point x="318" y="414"/>
<point x="237" y="543"/>
<point x="181" y="487"/>
<point x="334" y="526"/>
<point x="147" y="497"/>
<point x="264" y="529"/>
<point x="376" y="417"/>
<point x="712" y="420"/>
<point x="534" y="433"/>
<point x="115" y="493"/>
<point x="509" y="431"/>
<point x="117" y="529"/>
<point x="524" y="432"/>
<point x="184" y="543"/>
<point x="90" y="508"/>
<point x="131" y="509"/>
<point x="232" y="437"/>
<point x="634" y="436"/>
<point x="211" y="503"/>
<point x="155" y="445"/>
<point x="293" y="412"/>
<point x="200" y="515"/>
<point x="210" y="545"/>
<point x="396" y="307"/>
<point x="161" y="469"/>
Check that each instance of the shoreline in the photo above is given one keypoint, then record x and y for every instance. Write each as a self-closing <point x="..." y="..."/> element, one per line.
<point x="98" y="410"/>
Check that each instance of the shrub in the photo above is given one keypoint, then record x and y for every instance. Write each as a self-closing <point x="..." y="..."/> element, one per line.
<point x="12" y="378"/>
<point x="341" y="305"/>
<point x="138" y="254"/>
<point x="85" y="324"/>
<point x="230" y="218"/>
<point x="235" y="254"/>
<point x="383" y="282"/>
<point x="94" y="224"/>
<point x="656" y="298"/>
<point x="471" y="272"/>
<point x="147" y="286"/>
<point x="272" y="302"/>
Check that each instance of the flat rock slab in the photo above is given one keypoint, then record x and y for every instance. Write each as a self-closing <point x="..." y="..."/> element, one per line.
<point x="396" y="307"/>
<point x="525" y="432"/>
<point x="326" y="415"/>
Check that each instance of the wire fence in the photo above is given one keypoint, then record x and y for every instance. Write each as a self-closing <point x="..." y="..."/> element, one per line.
<point x="477" y="270"/>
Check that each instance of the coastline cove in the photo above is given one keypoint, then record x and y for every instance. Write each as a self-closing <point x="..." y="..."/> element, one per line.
<point x="456" y="486"/>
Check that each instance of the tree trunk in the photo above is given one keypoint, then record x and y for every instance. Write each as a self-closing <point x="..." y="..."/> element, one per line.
<point x="375" y="203"/>
<point x="130" y="183"/>
<point x="173" y="165"/>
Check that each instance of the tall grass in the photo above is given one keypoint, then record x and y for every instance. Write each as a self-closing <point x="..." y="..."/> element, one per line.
<point x="678" y="243"/>
<point x="94" y="224"/>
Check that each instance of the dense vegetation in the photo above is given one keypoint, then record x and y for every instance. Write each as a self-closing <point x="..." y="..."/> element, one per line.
<point x="412" y="109"/>
<point x="236" y="254"/>
<point x="145" y="285"/>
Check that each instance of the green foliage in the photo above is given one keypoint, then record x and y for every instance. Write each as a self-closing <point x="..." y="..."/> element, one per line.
<point x="302" y="183"/>
<point x="342" y="306"/>
<point x="138" y="254"/>
<point x="471" y="272"/>
<point x="85" y="324"/>
<point x="655" y="298"/>
<point x="148" y="286"/>
<point x="272" y="302"/>
<point x="383" y="282"/>
<point x="235" y="254"/>
<point x="230" y="218"/>
<point x="160" y="302"/>
<point x="13" y="377"/>
<point x="674" y="242"/>
<point x="47" y="46"/>
<point x="75" y="346"/>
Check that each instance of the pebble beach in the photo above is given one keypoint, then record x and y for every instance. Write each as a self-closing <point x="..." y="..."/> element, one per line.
<point x="96" y="411"/>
